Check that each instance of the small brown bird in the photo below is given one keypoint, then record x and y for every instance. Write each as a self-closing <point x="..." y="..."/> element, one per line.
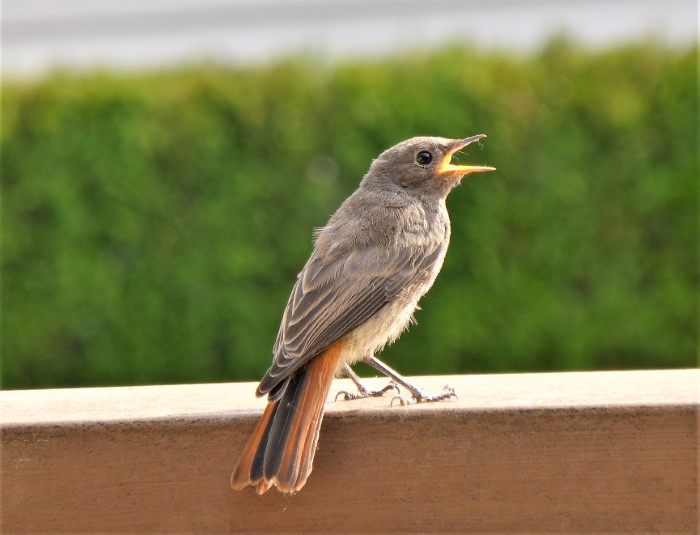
<point x="377" y="256"/>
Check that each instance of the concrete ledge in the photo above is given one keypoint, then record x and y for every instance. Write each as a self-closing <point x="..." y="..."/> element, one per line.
<point x="563" y="452"/>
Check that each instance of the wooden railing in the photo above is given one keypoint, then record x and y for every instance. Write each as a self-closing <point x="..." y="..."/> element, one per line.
<point x="559" y="452"/>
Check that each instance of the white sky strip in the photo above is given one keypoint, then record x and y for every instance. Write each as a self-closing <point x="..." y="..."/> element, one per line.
<point x="39" y="34"/>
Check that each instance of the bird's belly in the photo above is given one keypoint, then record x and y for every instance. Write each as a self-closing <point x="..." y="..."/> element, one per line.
<point x="381" y="329"/>
<point x="387" y="324"/>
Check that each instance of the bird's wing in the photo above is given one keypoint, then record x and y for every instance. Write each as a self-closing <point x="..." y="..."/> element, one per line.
<point x="330" y="299"/>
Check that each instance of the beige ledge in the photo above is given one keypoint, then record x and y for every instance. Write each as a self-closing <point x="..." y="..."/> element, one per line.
<point x="557" y="452"/>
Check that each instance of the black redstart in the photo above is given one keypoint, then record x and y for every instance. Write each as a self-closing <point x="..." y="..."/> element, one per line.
<point x="377" y="256"/>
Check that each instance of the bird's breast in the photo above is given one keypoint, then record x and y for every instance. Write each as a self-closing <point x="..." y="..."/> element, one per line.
<point x="387" y="324"/>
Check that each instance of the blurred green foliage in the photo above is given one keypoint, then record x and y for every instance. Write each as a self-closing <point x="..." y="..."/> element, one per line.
<point x="153" y="224"/>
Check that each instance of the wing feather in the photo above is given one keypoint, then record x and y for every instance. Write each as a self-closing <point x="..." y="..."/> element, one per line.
<point x="331" y="298"/>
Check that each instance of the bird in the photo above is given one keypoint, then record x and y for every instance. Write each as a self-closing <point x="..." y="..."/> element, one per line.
<point x="379" y="253"/>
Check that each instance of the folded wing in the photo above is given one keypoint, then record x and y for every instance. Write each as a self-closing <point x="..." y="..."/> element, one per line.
<point x="330" y="299"/>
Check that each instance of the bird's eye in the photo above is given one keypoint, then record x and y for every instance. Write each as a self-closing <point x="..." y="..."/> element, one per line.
<point x="424" y="157"/>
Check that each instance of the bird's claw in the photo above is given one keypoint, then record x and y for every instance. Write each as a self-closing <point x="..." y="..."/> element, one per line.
<point x="367" y="393"/>
<point x="391" y="385"/>
<point x="448" y="392"/>
<point x="401" y="400"/>
<point x="346" y="395"/>
<point x="420" y="397"/>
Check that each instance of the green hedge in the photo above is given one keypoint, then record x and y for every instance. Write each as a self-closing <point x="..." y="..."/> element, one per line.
<point x="153" y="224"/>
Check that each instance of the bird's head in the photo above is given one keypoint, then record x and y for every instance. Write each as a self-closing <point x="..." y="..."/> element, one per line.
<point x="424" y="166"/>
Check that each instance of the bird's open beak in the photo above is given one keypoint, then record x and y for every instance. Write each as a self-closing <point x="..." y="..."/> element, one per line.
<point x="447" y="167"/>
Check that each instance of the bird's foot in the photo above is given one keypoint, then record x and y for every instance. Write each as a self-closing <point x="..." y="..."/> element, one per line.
<point x="364" y="392"/>
<point x="418" y="396"/>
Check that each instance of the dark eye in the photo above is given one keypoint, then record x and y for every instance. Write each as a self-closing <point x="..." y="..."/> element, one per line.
<point x="424" y="157"/>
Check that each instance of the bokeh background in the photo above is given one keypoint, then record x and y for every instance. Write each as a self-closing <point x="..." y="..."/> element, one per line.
<point x="159" y="192"/>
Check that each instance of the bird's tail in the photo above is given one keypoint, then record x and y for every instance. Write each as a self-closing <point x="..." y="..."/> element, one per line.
<point x="281" y="450"/>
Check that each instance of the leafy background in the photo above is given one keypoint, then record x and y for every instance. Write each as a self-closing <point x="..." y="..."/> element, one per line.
<point x="153" y="223"/>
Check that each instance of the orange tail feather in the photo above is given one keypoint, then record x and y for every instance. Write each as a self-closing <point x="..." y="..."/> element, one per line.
<point x="281" y="450"/>
<point x="240" y="478"/>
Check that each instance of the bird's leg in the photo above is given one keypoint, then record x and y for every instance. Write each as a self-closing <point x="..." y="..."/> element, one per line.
<point x="362" y="390"/>
<point x="417" y="394"/>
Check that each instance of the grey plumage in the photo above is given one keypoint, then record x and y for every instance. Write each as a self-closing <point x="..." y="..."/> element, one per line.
<point x="389" y="236"/>
<point x="377" y="256"/>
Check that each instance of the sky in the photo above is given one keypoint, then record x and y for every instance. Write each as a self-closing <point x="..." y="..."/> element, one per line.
<point x="40" y="34"/>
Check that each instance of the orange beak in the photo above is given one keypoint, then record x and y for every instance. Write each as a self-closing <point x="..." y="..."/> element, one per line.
<point x="446" y="167"/>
